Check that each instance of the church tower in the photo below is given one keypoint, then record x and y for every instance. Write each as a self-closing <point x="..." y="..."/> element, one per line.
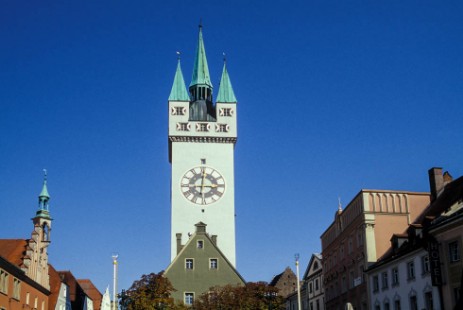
<point x="202" y="137"/>
<point x="35" y="262"/>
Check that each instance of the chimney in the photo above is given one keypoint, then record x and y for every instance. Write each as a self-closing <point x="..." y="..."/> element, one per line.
<point x="200" y="228"/>
<point x="179" y="242"/>
<point x="436" y="181"/>
<point x="214" y="239"/>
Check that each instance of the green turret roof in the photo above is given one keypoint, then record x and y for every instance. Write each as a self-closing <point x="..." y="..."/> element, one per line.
<point x="226" y="93"/>
<point x="178" y="92"/>
<point x="201" y="70"/>
<point x="43" y="198"/>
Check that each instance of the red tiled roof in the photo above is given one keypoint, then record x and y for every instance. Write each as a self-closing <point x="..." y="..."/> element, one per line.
<point x="55" y="284"/>
<point x="13" y="250"/>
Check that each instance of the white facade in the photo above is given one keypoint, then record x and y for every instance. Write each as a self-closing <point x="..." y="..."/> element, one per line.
<point x="64" y="300"/>
<point x="198" y="147"/>
<point x="106" y="301"/>
<point x="403" y="283"/>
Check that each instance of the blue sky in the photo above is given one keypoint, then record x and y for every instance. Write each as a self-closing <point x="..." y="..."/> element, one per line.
<point x="334" y="96"/>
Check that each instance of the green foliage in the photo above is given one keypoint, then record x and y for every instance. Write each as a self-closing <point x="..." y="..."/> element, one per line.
<point x="252" y="296"/>
<point x="151" y="292"/>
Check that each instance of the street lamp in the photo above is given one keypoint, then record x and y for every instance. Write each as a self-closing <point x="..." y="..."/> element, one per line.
<point x="115" y="256"/>
<point x="296" y="257"/>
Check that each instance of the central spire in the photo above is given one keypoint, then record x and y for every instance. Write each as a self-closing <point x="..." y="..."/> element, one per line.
<point x="201" y="106"/>
<point x="201" y="70"/>
<point x="43" y="198"/>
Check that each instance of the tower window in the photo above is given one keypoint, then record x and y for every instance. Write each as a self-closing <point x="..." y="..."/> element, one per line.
<point x="178" y="111"/>
<point x="203" y="161"/>
<point x="226" y="112"/>
<point x="189" y="263"/>
<point x="222" y="128"/>
<point x="213" y="263"/>
<point x="189" y="298"/>
<point x="183" y="126"/>
<point x="202" y="127"/>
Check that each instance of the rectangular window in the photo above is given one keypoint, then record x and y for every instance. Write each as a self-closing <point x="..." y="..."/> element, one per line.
<point x="454" y="251"/>
<point x="189" y="263"/>
<point x="16" y="289"/>
<point x="3" y="282"/>
<point x="384" y="280"/>
<point x="189" y="298"/>
<point x="395" y="276"/>
<point x="213" y="263"/>
<point x="316" y="285"/>
<point x="375" y="284"/>
<point x="425" y="267"/>
<point x="200" y="244"/>
<point x="411" y="270"/>
<point x="310" y="288"/>
<point x="428" y="301"/>
<point x="413" y="303"/>
<point x="386" y="305"/>
<point x="397" y="304"/>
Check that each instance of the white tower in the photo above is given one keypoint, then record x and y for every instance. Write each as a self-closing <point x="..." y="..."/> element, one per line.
<point x="202" y="136"/>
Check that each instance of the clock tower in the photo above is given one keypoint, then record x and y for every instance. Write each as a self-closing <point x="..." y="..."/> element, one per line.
<point x="202" y="137"/>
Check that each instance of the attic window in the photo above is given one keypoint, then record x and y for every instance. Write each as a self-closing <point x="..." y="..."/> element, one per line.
<point x="213" y="263"/>
<point x="200" y="244"/>
<point x="189" y="263"/>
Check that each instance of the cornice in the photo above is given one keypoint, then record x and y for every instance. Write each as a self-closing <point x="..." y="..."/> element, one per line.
<point x="202" y="139"/>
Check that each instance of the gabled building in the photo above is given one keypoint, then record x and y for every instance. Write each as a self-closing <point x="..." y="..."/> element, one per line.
<point x="59" y="297"/>
<point x="198" y="266"/>
<point x="92" y="292"/>
<point x="285" y="282"/>
<point x="313" y="283"/>
<point x="358" y="237"/>
<point x="25" y="274"/>
<point x="79" y="299"/>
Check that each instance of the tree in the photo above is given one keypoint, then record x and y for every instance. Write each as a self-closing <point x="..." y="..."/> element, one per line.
<point x="254" y="295"/>
<point x="151" y="292"/>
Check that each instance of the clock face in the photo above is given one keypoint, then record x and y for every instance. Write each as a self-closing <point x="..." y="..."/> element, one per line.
<point x="202" y="185"/>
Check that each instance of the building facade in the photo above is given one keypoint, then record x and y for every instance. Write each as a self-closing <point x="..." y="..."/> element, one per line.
<point x="358" y="236"/>
<point x="198" y="266"/>
<point x="444" y="230"/>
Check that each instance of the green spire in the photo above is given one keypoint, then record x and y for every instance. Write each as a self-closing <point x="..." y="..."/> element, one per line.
<point x="178" y="92"/>
<point x="201" y="70"/>
<point x="226" y="94"/>
<point x="43" y="198"/>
